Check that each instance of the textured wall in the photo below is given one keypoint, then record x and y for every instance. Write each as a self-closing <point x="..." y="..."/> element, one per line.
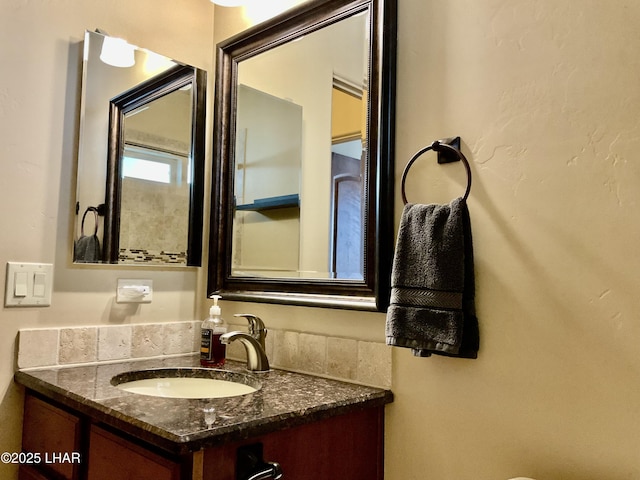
<point x="546" y="98"/>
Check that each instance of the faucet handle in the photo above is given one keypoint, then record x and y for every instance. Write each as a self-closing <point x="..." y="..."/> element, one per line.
<point x="256" y="326"/>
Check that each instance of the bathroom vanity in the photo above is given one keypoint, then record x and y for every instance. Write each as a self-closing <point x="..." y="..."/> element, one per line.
<point x="78" y="425"/>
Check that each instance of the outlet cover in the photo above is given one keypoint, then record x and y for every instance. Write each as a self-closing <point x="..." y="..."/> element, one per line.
<point x="134" y="290"/>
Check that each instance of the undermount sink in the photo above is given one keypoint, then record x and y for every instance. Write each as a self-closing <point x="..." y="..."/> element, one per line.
<point x="186" y="383"/>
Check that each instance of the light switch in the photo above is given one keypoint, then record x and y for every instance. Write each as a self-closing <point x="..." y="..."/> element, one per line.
<point x="20" y="288"/>
<point x="28" y="284"/>
<point x="39" y="283"/>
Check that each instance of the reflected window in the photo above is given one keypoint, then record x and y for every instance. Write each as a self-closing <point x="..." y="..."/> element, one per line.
<point x="151" y="165"/>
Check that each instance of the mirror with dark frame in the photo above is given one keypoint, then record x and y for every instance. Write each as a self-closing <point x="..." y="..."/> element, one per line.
<point x="154" y="192"/>
<point x="302" y="204"/>
<point x="140" y="186"/>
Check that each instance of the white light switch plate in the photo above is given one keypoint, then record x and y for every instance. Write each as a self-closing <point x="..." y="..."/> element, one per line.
<point x="28" y="284"/>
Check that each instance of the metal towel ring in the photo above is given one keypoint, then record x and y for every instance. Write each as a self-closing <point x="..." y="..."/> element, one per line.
<point x="439" y="146"/>
<point x="95" y="219"/>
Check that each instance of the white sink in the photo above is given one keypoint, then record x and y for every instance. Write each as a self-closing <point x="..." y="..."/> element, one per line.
<point x="186" y="383"/>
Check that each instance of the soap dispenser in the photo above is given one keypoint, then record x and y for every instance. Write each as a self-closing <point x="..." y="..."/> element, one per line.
<point x="212" y="352"/>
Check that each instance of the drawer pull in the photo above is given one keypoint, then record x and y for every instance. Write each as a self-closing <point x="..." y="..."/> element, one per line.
<point x="271" y="470"/>
<point x="250" y="464"/>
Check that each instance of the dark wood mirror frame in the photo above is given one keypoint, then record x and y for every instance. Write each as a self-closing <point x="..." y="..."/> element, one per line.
<point x="144" y="93"/>
<point x="371" y="293"/>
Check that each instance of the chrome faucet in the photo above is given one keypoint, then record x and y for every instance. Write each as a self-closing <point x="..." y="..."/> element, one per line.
<point x="256" y="327"/>
<point x="257" y="360"/>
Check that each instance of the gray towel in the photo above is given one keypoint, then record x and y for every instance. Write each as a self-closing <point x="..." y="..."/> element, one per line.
<point x="432" y="307"/>
<point x="87" y="249"/>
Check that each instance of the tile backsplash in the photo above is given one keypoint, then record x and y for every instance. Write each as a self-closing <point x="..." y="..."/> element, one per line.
<point x="348" y="359"/>
<point x="89" y="344"/>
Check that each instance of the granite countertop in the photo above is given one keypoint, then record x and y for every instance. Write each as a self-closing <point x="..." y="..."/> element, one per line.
<point x="178" y="426"/>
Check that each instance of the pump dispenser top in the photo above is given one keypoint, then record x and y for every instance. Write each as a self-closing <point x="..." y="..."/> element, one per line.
<point x="215" y="309"/>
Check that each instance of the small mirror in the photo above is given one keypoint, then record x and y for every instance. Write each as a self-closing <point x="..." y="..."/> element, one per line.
<point x="304" y="150"/>
<point x="141" y="158"/>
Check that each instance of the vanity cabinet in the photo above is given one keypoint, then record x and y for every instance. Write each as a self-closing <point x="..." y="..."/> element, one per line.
<point x="347" y="446"/>
<point x="48" y="431"/>
<point x="67" y="446"/>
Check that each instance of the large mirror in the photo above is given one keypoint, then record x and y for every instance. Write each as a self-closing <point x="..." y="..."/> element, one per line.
<point x="140" y="181"/>
<point x="302" y="211"/>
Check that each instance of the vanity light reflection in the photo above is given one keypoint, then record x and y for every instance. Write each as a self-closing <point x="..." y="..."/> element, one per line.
<point x="117" y="52"/>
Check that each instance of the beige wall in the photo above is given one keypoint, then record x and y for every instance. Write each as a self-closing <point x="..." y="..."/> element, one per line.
<point x="40" y="53"/>
<point x="545" y="96"/>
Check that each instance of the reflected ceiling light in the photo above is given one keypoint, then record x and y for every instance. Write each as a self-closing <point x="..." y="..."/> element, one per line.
<point x="117" y="52"/>
<point x="229" y="3"/>
<point x="155" y="63"/>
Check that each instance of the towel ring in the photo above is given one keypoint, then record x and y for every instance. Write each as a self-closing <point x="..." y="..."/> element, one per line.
<point x="439" y="146"/>
<point x="95" y="219"/>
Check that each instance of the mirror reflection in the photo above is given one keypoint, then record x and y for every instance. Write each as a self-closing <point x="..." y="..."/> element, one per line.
<point x="299" y="139"/>
<point x="140" y="160"/>
<point x="268" y="168"/>
<point x="303" y="211"/>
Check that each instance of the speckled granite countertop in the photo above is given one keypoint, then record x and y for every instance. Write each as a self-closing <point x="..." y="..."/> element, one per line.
<point x="178" y="426"/>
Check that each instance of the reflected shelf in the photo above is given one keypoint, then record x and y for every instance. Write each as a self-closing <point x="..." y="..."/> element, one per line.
<point x="281" y="201"/>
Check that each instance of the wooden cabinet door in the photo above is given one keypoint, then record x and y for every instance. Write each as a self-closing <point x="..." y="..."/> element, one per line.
<point x="112" y="457"/>
<point x="346" y="447"/>
<point x="51" y="433"/>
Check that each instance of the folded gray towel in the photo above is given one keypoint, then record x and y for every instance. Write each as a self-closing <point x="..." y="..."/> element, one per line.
<point x="432" y="283"/>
